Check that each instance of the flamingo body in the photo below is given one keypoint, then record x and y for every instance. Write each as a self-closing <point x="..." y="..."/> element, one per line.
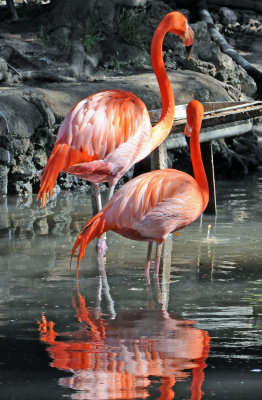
<point x="106" y="133"/>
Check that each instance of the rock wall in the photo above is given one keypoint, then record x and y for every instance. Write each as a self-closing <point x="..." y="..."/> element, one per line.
<point x="34" y="101"/>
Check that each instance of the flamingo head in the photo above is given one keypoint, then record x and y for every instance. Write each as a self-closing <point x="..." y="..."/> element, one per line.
<point x="195" y="111"/>
<point x="179" y="26"/>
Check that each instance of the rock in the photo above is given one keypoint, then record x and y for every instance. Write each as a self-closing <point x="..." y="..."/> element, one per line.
<point x="208" y="59"/>
<point x="194" y="64"/>
<point x="21" y="120"/>
<point x="19" y="187"/>
<point x="3" y="180"/>
<point x="122" y="56"/>
<point x="4" y="220"/>
<point x="105" y="11"/>
<point x="231" y="73"/>
<point x="3" y="70"/>
<point x="204" y="48"/>
<point x="40" y="159"/>
<point x="5" y="156"/>
<point x="247" y="83"/>
<point x="24" y="170"/>
<point x="41" y="226"/>
<point x="228" y="16"/>
<point x="90" y="64"/>
<point x="237" y="155"/>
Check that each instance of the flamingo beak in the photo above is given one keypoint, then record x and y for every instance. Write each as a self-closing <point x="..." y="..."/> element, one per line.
<point x="189" y="51"/>
<point x="188" y="130"/>
<point x="189" y="41"/>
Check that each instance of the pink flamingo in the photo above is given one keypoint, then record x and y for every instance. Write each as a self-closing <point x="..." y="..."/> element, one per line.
<point x="108" y="132"/>
<point x="152" y="205"/>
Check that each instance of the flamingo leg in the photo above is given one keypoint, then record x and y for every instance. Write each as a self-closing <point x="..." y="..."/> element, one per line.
<point x="98" y="197"/>
<point x="101" y="246"/>
<point x="158" y="257"/>
<point x="148" y="258"/>
<point x="105" y="286"/>
<point x="110" y="192"/>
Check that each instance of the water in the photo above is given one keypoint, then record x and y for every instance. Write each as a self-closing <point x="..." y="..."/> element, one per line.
<point x="195" y="334"/>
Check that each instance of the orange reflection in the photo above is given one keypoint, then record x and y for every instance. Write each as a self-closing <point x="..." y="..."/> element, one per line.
<point x="119" y="358"/>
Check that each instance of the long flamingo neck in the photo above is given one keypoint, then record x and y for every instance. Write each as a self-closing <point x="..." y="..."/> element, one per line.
<point x="164" y="125"/>
<point x="196" y="157"/>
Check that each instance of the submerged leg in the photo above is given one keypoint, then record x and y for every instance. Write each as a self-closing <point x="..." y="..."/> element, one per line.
<point x="101" y="246"/>
<point x="148" y="258"/>
<point x="105" y="286"/>
<point x="158" y="257"/>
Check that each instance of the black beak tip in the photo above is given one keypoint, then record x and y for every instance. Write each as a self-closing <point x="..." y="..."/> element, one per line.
<point x="189" y="51"/>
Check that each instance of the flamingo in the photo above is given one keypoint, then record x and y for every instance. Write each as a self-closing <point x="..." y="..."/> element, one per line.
<point x="155" y="204"/>
<point x="108" y="132"/>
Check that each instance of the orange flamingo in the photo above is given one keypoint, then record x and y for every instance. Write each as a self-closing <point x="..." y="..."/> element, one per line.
<point x="152" y="205"/>
<point x="108" y="132"/>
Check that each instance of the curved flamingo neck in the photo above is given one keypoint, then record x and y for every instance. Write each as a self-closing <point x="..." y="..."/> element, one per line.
<point x="164" y="125"/>
<point x="196" y="157"/>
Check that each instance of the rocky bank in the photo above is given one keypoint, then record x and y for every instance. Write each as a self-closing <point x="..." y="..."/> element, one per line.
<point x="39" y="84"/>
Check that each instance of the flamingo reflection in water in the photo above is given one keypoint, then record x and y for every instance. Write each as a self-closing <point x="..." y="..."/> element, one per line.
<point x="116" y="358"/>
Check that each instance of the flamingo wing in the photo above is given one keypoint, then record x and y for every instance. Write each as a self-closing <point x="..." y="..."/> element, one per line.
<point x="103" y="121"/>
<point x="154" y="204"/>
<point x="94" y="129"/>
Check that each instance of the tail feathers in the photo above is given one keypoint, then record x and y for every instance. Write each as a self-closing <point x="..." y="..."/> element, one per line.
<point x="61" y="159"/>
<point x="94" y="228"/>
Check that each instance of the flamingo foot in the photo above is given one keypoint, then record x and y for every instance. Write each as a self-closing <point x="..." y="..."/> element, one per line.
<point x="101" y="246"/>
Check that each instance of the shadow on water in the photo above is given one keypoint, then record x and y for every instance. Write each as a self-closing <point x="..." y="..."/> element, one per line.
<point x="115" y="337"/>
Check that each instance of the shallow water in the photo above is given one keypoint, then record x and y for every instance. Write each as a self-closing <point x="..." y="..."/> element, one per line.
<point x="197" y="333"/>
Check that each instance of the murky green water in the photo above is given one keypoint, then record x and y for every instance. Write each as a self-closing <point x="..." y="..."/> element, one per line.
<point x="196" y="335"/>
